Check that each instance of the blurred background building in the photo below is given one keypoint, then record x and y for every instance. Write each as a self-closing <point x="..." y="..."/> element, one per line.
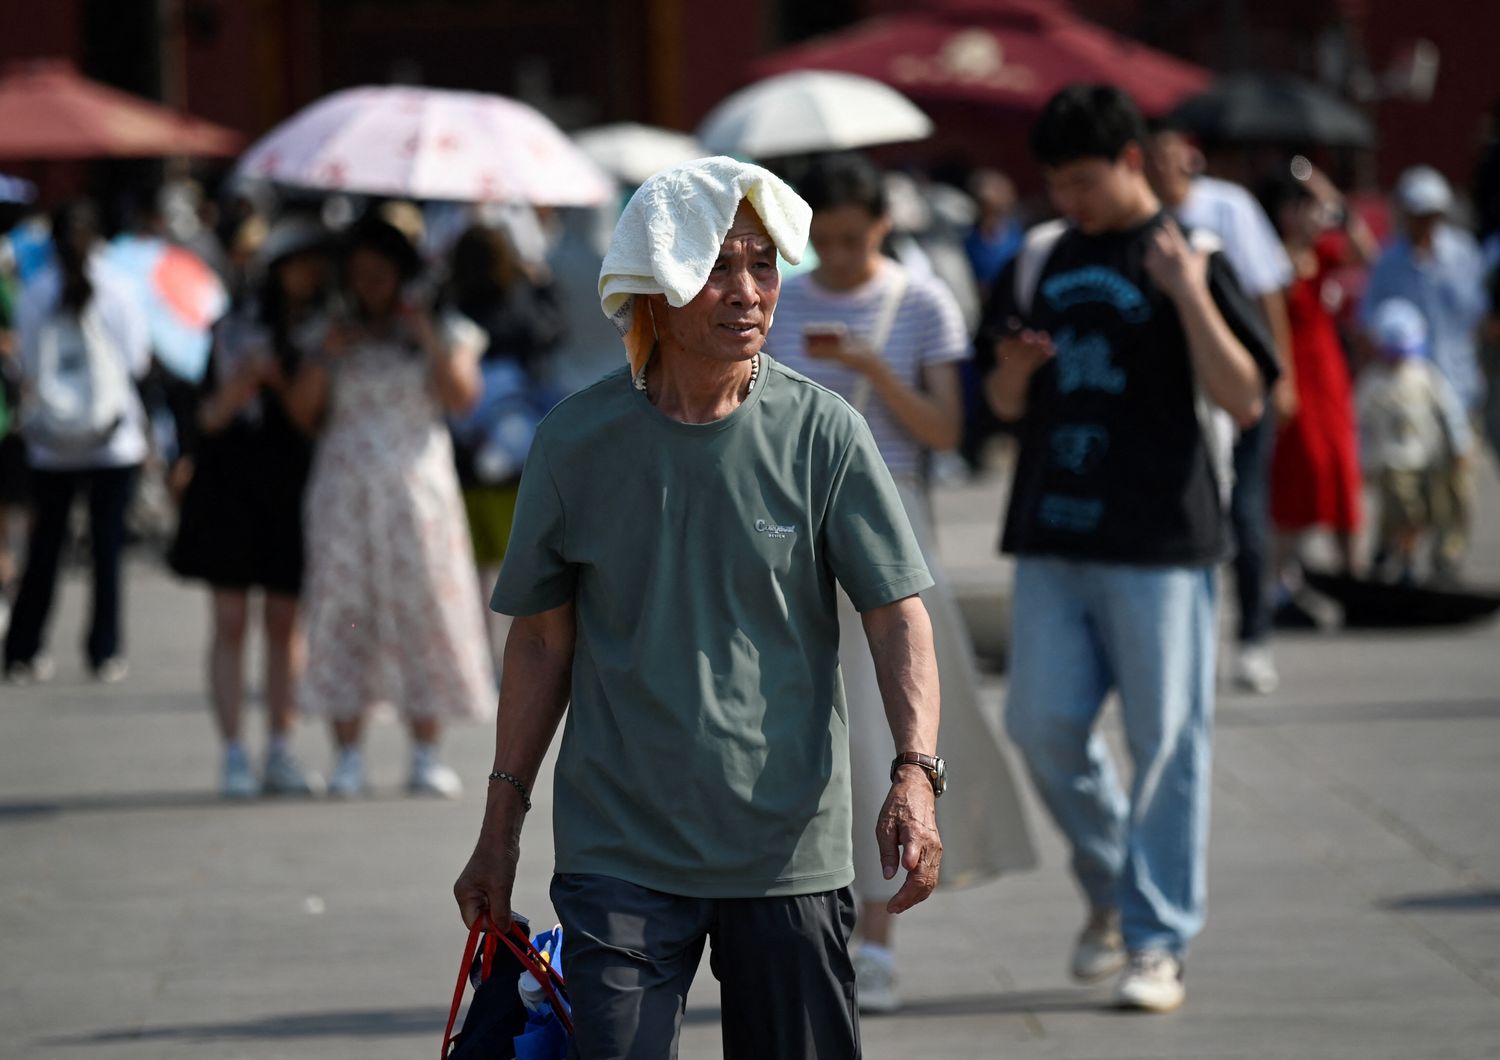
<point x="1422" y="71"/>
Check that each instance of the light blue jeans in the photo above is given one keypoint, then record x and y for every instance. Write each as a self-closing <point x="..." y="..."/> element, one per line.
<point x="1081" y="629"/>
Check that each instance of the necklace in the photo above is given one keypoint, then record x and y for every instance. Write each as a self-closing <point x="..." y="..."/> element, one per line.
<point x="639" y="382"/>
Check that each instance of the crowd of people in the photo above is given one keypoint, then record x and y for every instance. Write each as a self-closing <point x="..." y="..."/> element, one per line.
<point x="1194" y="371"/>
<point x="318" y="480"/>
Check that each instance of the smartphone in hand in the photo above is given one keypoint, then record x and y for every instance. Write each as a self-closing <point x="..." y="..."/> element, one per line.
<point x="821" y="339"/>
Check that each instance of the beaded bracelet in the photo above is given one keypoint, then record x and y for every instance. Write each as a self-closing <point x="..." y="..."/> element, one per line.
<point x="514" y="782"/>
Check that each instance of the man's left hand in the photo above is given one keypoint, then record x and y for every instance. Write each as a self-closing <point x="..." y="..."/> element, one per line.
<point x="907" y="834"/>
<point x="1173" y="264"/>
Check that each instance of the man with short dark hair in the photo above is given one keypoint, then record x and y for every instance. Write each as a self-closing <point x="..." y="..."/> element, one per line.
<point x="1114" y="336"/>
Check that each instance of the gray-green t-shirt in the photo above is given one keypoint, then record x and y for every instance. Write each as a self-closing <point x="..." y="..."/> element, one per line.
<point x="706" y="752"/>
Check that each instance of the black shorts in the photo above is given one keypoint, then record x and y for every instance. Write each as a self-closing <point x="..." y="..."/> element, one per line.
<point x="786" y="982"/>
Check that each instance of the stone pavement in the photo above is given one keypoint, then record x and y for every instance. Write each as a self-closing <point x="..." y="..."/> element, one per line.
<point x="1355" y="875"/>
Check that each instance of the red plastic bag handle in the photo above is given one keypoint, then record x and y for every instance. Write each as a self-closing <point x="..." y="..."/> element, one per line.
<point x="470" y="948"/>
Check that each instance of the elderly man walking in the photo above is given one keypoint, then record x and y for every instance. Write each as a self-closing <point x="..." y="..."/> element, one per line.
<point x="682" y="529"/>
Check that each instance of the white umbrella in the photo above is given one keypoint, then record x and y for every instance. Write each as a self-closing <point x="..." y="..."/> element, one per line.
<point x="633" y="152"/>
<point x="811" y="110"/>
<point x="428" y="143"/>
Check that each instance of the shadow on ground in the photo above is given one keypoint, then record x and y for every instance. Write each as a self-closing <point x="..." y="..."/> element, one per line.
<point x="996" y="1004"/>
<point x="424" y="1022"/>
<point x="1445" y="902"/>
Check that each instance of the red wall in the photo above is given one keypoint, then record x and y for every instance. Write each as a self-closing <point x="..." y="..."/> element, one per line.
<point x="1443" y="132"/>
<point x="670" y="61"/>
<point x="259" y="62"/>
<point x="50" y="29"/>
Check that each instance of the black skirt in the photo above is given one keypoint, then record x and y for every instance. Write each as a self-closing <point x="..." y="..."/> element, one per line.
<point x="241" y="520"/>
<point x="15" y="475"/>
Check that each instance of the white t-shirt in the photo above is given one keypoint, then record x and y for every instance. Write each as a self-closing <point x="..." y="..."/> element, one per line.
<point x="124" y="319"/>
<point x="928" y="329"/>
<point x="1250" y="241"/>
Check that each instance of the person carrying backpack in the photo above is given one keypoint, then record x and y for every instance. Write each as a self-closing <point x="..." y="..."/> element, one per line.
<point x="1119" y="353"/>
<point x="83" y="342"/>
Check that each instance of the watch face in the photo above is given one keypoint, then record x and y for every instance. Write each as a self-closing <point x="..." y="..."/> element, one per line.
<point x="937" y="773"/>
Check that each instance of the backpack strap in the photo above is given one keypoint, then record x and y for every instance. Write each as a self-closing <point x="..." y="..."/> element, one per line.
<point x="880" y="333"/>
<point x="1035" y="250"/>
<point x="1215" y="426"/>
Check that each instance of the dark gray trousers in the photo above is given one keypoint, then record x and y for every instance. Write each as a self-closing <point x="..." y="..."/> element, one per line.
<point x="786" y="983"/>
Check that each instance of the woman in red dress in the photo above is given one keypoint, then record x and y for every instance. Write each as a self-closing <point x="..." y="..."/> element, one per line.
<point x="1315" y="478"/>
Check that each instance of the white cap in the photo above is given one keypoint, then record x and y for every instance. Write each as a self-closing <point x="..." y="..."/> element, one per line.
<point x="1423" y="191"/>
<point x="1399" y="328"/>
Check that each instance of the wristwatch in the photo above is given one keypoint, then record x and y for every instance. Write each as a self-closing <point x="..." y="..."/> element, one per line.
<point x="935" y="768"/>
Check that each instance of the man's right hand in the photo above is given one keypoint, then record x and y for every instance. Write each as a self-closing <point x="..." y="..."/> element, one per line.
<point x="484" y="887"/>
<point x="1017" y="357"/>
<point x="907" y="836"/>
<point x="1025" y="351"/>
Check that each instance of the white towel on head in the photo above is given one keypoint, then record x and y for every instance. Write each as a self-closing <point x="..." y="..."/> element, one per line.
<point x="669" y="236"/>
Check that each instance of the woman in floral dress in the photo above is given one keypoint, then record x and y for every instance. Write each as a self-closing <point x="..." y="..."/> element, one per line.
<point x="391" y="601"/>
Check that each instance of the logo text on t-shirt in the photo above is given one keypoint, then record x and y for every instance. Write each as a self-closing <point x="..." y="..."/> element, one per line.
<point x="1077" y="515"/>
<point x="1086" y="362"/>
<point x="1096" y="283"/>
<point x="775" y="531"/>
<point x="1078" y="448"/>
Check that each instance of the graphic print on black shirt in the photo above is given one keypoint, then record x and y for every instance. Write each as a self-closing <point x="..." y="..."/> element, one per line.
<point x="1113" y="466"/>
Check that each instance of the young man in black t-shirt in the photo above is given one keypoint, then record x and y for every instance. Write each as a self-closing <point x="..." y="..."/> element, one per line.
<point x="1123" y="351"/>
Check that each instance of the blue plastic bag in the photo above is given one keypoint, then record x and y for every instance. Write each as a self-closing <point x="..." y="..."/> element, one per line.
<point x="545" y="1038"/>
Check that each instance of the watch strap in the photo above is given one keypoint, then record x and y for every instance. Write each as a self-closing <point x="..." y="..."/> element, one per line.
<point x="929" y="763"/>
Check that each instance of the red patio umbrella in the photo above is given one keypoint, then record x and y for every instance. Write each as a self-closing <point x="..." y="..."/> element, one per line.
<point x="1007" y="54"/>
<point x="50" y="111"/>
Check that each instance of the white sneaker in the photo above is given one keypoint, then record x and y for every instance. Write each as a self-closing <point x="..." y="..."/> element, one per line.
<point x="38" y="671"/>
<point x="112" y="670"/>
<point x="238" y="780"/>
<point x="287" y="776"/>
<point x="949" y="469"/>
<point x="875" y="982"/>
<point x="348" y="778"/>
<point x="431" y="777"/>
<point x="1100" y="949"/>
<point x="1255" y="670"/>
<point x="1153" y="982"/>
